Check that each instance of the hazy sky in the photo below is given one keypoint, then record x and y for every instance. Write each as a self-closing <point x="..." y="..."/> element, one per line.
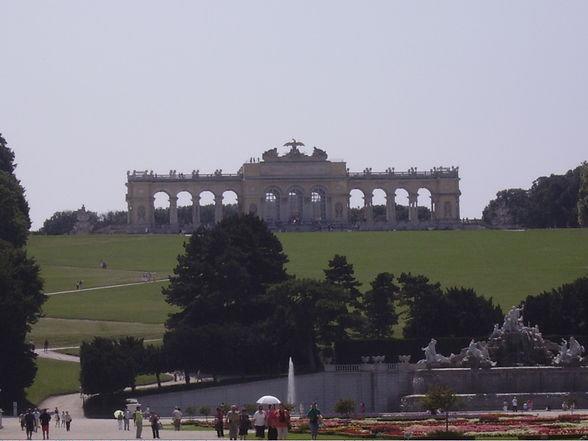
<point x="89" y="90"/>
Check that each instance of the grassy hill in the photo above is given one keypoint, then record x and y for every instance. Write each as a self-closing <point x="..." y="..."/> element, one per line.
<point x="507" y="265"/>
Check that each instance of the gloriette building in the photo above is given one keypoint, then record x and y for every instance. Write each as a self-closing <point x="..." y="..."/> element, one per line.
<point x="304" y="192"/>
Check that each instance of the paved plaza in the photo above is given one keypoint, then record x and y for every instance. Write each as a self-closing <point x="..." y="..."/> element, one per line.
<point x="86" y="428"/>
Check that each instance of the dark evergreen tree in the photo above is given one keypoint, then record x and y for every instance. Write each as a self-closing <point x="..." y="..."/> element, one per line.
<point x="341" y="273"/>
<point x="21" y="295"/>
<point x="309" y="313"/>
<point x="426" y="313"/>
<point x="563" y="310"/>
<point x="455" y="312"/>
<point x="583" y="196"/>
<point x="108" y="366"/>
<point x="379" y="308"/>
<point x="222" y="279"/>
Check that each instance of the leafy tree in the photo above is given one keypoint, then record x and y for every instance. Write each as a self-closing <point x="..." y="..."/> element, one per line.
<point x="204" y="410"/>
<point x="583" y="196"/>
<point x="222" y="279"/>
<point x="308" y="313"/>
<point x="61" y="222"/>
<point x="511" y="207"/>
<point x="455" y="312"/>
<point x="21" y="295"/>
<point x="563" y="310"/>
<point x="344" y="406"/>
<point x="341" y="273"/>
<point x="440" y="397"/>
<point x="426" y="313"/>
<point x="107" y="366"/>
<point x="469" y="313"/>
<point x="378" y="307"/>
<point x="111" y="218"/>
<point x="155" y="362"/>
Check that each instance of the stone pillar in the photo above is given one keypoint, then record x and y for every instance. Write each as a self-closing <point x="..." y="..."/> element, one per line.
<point x="391" y="208"/>
<point x="368" y="208"/>
<point x="434" y="201"/>
<point x="151" y="212"/>
<point x="413" y="215"/>
<point x="218" y="208"/>
<point x="195" y="212"/>
<point x="173" y="210"/>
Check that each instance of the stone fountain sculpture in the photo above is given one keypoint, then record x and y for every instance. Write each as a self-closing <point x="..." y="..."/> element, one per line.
<point x="512" y="344"/>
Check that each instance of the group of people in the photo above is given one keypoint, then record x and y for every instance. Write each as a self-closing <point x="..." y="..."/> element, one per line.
<point x="32" y="419"/>
<point x="275" y="419"/>
<point x="138" y="417"/>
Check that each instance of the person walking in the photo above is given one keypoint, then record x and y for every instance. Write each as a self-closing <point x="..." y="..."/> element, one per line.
<point x="127" y="415"/>
<point x="29" y="420"/>
<point x="154" y="420"/>
<point x="272" y="432"/>
<point x="233" y="422"/>
<point x="138" y="418"/>
<point x="218" y="422"/>
<point x="244" y="424"/>
<point x="44" y="419"/>
<point x="68" y="419"/>
<point x="56" y="416"/>
<point x="314" y="418"/>
<point x="177" y="418"/>
<point x="259" y="422"/>
<point x="282" y="422"/>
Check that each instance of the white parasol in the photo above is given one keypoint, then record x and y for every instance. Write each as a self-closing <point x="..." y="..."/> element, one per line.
<point x="268" y="399"/>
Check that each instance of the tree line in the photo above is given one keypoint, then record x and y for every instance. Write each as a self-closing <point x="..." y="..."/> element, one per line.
<point x="555" y="201"/>
<point x="21" y="288"/>
<point x="240" y="312"/>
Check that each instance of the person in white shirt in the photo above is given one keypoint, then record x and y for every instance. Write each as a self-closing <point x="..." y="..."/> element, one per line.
<point x="259" y="419"/>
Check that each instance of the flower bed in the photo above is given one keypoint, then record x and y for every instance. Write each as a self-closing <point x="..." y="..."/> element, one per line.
<point x="493" y="425"/>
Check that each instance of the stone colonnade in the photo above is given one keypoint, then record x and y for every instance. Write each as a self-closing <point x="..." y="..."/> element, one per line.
<point x="295" y="190"/>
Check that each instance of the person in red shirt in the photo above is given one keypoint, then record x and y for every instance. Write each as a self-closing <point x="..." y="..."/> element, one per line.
<point x="282" y="422"/>
<point x="272" y="432"/>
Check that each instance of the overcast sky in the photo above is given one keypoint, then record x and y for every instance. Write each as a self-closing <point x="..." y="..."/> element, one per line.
<point x="89" y="90"/>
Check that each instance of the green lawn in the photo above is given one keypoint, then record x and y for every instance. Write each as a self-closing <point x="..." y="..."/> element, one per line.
<point x="507" y="265"/>
<point x="127" y="257"/>
<point x="54" y="377"/>
<point x="68" y="332"/>
<point x="137" y="303"/>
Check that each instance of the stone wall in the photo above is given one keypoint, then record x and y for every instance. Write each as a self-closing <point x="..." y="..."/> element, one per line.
<point x="395" y="387"/>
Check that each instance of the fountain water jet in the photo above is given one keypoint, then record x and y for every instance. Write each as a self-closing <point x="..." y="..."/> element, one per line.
<point x="291" y="396"/>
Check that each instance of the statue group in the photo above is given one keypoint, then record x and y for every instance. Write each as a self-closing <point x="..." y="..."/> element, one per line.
<point x="512" y="344"/>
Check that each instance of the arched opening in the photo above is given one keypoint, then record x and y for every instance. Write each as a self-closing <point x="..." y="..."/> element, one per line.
<point x="271" y="206"/>
<point x="206" y="205"/>
<point x="161" y="208"/>
<point x="318" y="204"/>
<point x="230" y="203"/>
<point x="379" y="205"/>
<point x="356" y="206"/>
<point x="402" y="204"/>
<point x="295" y="205"/>
<point x="425" y="205"/>
<point x="185" y="208"/>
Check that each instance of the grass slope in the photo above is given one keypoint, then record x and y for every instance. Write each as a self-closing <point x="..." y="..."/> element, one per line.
<point x="137" y="303"/>
<point x="506" y="265"/>
<point x="66" y="259"/>
<point x="68" y="332"/>
<point x="54" y="377"/>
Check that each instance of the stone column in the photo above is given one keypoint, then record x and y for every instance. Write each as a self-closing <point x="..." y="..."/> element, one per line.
<point x="391" y="208"/>
<point x="218" y="208"/>
<point x="173" y="210"/>
<point x="368" y="208"/>
<point x="151" y="212"/>
<point x="195" y="212"/>
<point x="413" y="216"/>
<point x="434" y="200"/>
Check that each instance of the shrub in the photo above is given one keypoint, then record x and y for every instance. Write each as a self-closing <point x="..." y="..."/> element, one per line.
<point x="344" y="406"/>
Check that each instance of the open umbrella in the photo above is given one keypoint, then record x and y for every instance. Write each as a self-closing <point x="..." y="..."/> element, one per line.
<point x="268" y="399"/>
<point x="118" y="413"/>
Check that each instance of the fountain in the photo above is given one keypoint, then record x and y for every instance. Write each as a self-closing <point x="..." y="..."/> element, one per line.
<point x="291" y="396"/>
